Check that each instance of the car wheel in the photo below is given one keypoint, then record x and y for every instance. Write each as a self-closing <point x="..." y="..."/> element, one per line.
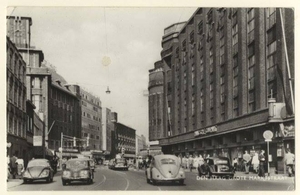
<point x="48" y="180"/>
<point x="209" y="175"/>
<point x="64" y="182"/>
<point x="154" y="182"/>
<point x="181" y="182"/>
<point x="25" y="181"/>
<point x="51" y="179"/>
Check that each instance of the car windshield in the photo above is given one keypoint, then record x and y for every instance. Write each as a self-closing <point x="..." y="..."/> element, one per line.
<point x="38" y="163"/>
<point x="221" y="161"/>
<point x="76" y="164"/>
<point x="167" y="161"/>
<point x="120" y="160"/>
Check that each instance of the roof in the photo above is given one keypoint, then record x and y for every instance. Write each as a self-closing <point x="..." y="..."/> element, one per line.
<point x="163" y="156"/>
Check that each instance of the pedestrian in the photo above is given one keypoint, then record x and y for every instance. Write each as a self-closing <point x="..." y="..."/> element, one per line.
<point x="290" y="162"/>
<point x="262" y="160"/>
<point x="235" y="163"/>
<point x="247" y="160"/>
<point x="196" y="161"/>
<point x="13" y="166"/>
<point x="184" y="162"/>
<point x="255" y="162"/>
<point x="190" y="161"/>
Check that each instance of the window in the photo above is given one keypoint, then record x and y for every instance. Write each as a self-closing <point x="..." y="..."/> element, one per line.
<point x="192" y="37"/>
<point x="211" y="95"/>
<point x="235" y="107"/>
<point x="183" y="45"/>
<point x="200" y="27"/>
<point x="201" y="100"/>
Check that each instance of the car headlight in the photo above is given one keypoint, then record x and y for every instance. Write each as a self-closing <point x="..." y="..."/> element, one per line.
<point x="26" y="174"/>
<point x="84" y="173"/>
<point x="66" y="173"/>
<point x="45" y="173"/>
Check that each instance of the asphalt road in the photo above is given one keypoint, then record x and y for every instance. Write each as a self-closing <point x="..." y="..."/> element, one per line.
<point x="132" y="180"/>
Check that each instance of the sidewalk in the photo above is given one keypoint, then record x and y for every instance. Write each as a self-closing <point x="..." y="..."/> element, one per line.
<point x="11" y="183"/>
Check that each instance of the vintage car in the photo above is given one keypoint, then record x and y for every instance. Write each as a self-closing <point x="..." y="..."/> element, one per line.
<point x="165" y="168"/>
<point x="216" y="166"/>
<point x="106" y="163"/>
<point x="38" y="169"/>
<point x="120" y="164"/>
<point x="77" y="169"/>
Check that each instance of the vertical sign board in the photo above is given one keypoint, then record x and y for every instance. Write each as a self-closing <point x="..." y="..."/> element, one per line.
<point x="37" y="140"/>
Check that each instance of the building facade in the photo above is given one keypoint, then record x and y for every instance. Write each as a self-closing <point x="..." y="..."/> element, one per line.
<point x="16" y="121"/>
<point x="124" y="139"/>
<point x="156" y="95"/>
<point x="57" y="104"/>
<point x="226" y="81"/>
<point x="107" y="131"/>
<point x="140" y="143"/>
<point x="91" y="119"/>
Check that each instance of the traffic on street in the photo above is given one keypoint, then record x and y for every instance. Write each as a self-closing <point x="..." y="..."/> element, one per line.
<point x="134" y="179"/>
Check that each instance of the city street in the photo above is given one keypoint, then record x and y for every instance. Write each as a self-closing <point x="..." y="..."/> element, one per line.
<point x="106" y="179"/>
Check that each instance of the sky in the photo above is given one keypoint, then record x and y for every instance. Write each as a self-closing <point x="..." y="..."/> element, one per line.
<point x="76" y="40"/>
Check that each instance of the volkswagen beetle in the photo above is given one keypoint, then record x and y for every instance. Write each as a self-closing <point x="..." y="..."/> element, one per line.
<point x="77" y="169"/>
<point x="216" y="166"/>
<point x="38" y="169"/>
<point x="165" y="168"/>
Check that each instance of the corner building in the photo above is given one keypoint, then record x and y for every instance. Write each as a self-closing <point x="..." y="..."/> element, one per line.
<point x="226" y="81"/>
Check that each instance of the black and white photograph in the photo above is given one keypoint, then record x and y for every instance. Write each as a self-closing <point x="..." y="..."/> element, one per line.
<point x="149" y="98"/>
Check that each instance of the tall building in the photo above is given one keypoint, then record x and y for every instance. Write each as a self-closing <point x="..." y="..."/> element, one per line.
<point x="107" y="128"/>
<point x="156" y="101"/>
<point x="226" y="81"/>
<point x="56" y="103"/>
<point x="124" y="139"/>
<point x="91" y="119"/>
<point x="140" y="143"/>
<point x="16" y="102"/>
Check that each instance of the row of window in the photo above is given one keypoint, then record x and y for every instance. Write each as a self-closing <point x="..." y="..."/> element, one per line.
<point x="271" y="62"/>
<point x="16" y="94"/>
<point x="16" y="126"/>
<point x="94" y="101"/>
<point x="15" y="64"/>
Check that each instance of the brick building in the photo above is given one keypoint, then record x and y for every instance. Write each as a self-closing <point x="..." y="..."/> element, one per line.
<point x="226" y="82"/>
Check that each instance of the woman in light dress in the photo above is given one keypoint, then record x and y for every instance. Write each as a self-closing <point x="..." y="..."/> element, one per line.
<point x="255" y="162"/>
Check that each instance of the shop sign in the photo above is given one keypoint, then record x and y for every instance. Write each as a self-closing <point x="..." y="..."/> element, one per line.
<point x="212" y="129"/>
<point x="268" y="135"/>
<point x="37" y="140"/>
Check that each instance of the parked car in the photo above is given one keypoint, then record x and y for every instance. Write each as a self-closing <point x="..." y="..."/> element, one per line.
<point x="216" y="166"/>
<point x="165" y="168"/>
<point x="38" y="169"/>
<point x="120" y="164"/>
<point x="77" y="169"/>
<point x="106" y="163"/>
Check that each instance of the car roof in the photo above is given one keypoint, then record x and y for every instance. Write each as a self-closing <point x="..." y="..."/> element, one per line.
<point x="163" y="156"/>
<point x="78" y="159"/>
<point x="39" y="159"/>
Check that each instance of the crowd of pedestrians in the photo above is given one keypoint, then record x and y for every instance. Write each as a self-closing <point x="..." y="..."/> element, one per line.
<point x="255" y="162"/>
